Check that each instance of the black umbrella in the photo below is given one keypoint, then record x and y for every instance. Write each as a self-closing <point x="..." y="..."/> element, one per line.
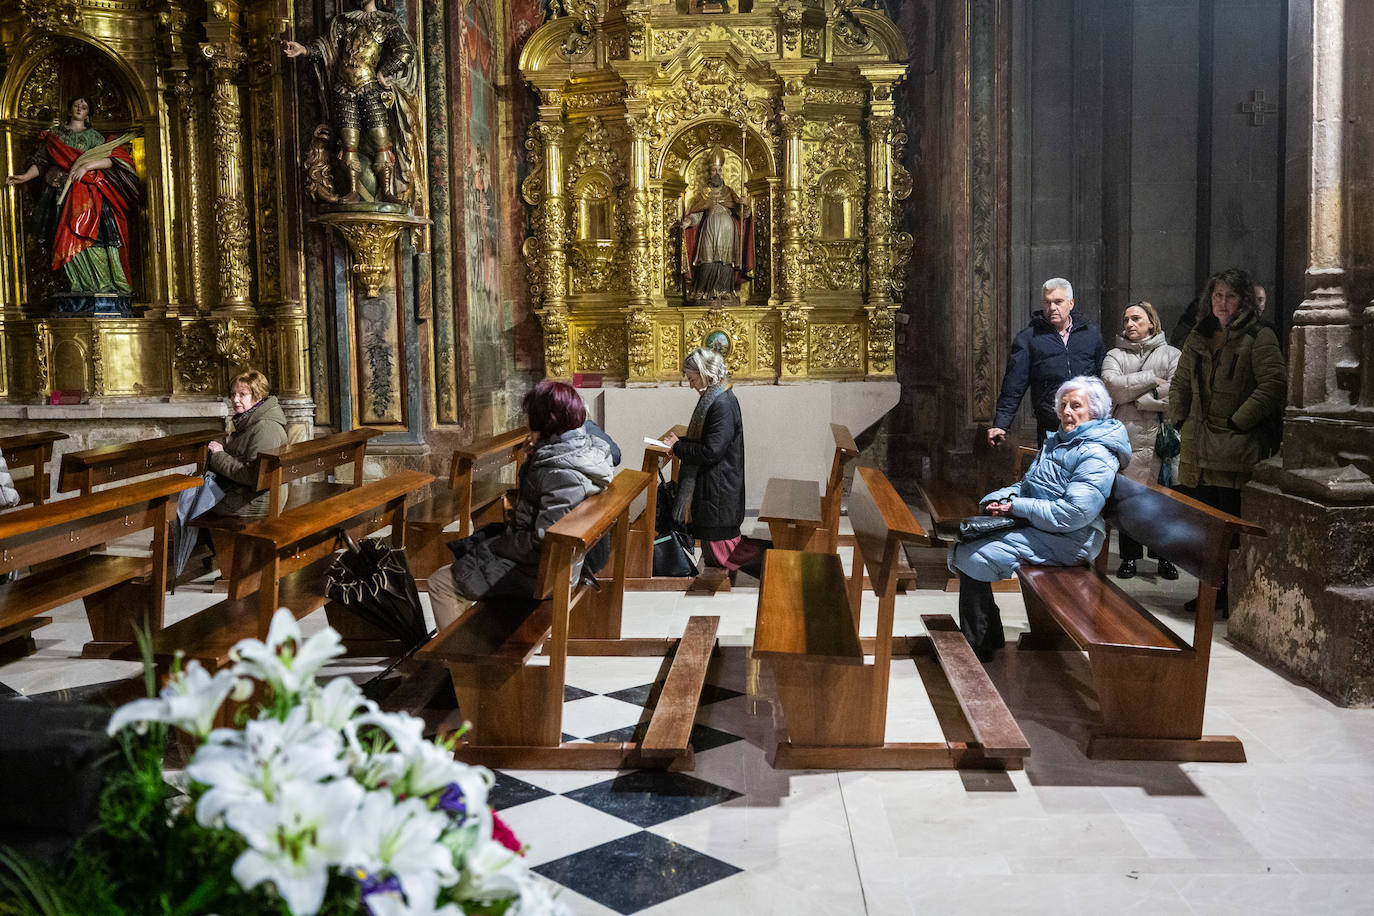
<point x="373" y="581"/>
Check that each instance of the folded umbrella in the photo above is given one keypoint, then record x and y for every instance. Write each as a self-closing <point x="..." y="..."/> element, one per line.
<point x="373" y="581"/>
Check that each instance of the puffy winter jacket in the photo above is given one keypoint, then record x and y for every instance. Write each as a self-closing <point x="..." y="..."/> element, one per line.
<point x="1061" y="496"/>
<point x="556" y="476"/>
<point x="717" y="509"/>
<point x="1131" y="372"/>
<point x="1040" y="359"/>
<point x="1221" y="400"/>
<point x="260" y="427"/>
<point x="9" y="496"/>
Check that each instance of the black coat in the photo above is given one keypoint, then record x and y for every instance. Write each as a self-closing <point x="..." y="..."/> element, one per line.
<point x="718" y="497"/>
<point x="1040" y="360"/>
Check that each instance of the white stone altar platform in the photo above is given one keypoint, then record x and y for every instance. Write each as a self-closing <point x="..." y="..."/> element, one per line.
<point x="786" y="427"/>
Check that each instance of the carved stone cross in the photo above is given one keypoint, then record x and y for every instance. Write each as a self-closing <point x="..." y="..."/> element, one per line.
<point x="1258" y="108"/>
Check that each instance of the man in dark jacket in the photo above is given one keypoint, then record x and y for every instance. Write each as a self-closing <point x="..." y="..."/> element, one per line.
<point x="1047" y="353"/>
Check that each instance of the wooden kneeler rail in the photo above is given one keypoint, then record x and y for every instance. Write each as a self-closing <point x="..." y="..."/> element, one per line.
<point x="833" y="700"/>
<point x="515" y="707"/>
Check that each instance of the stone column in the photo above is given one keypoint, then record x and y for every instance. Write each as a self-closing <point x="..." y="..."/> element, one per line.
<point x="1322" y="336"/>
<point x="226" y="143"/>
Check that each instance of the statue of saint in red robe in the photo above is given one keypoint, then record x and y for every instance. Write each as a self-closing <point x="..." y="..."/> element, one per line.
<point x="717" y="240"/>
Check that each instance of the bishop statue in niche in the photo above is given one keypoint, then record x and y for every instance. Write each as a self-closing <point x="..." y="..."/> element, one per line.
<point x="717" y="240"/>
<point x="369" y="81"/>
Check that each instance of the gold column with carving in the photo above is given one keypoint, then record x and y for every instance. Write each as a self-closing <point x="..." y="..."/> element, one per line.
<point x="639" y="329"/>
<point x="187" y="112"/>
<point x="226" y="139"/>
<point x="793" y="280"/>
<point x="553" y="218"/>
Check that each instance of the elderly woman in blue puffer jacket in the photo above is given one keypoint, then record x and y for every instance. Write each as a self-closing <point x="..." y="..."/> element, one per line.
<point x="1059" y="502"/>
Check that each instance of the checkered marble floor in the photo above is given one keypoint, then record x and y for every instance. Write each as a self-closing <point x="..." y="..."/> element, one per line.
<point x="1291" y="831"/>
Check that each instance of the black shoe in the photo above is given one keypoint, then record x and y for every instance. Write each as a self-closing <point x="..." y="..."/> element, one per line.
<point x="985" y="655"/>
<point x="1167" y="570"/>
<point x="1126" y="570"/>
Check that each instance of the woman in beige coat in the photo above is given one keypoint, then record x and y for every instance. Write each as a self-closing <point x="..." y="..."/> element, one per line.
<point x="1138" y="373"/>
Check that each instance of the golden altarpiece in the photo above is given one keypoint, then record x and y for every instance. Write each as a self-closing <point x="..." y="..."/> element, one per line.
<point x="635" y="100"/>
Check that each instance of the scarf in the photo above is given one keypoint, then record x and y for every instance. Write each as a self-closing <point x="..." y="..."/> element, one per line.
<point x="687" y="475"/>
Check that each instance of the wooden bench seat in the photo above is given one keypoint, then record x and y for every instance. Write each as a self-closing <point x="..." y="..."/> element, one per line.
<point x="803" y="514"/>
<point x="1151" y="685"/>
<point x="475" y="495"/>
<point x="31" y="452"/>
<point x="283" y="473"/>
<point x="516" y="708"/>
<point x="119" y="592"/>
<point x="834" y="700"/>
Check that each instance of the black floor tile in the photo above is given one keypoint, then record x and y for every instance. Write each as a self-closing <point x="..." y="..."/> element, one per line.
<point x="104" y="693"/>
<point x="7" y="691"/>
<point x="571" y="693"/>
<point x="509" y="792"/>
<point x="646" y="694"/>
<point x="702" y="738"/>
<point x="636" y="872"/>
<point x="649" y="797"/>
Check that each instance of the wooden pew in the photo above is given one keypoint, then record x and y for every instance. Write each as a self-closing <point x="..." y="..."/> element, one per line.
<point x="286" y="468"/>
<point x="282" y="561"/>
<point x="475" y="495"/>
<point x="798" y="514"/>
<point x="31" y="451"/>
<point x="834" y="702"/>
<point x="118" y="591"/>
<point x="516" y="708"/>
<point x="1151" y="685"/>
<point x="85" y="470"/>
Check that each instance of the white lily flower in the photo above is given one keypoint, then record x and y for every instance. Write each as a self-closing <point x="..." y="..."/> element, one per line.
<point x="285" y="661"/>
<point x="295" y="840"/>
<point x="190" y="701"/>
<point x="490" y="871"/>
<point x="402" y="838"/>
<point x="243" y="767"/>
<point x="333" y="707"/>
<point x="393" y="905"/>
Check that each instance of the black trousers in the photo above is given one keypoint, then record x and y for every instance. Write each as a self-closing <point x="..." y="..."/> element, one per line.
<point x="1227" y="499"/>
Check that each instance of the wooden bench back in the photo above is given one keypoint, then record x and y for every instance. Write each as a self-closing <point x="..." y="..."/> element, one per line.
<point x="881" y="522"/>
<point x="845" y="452"/>
<point x="87" y="469"/>
<point x="32" y="451"/>
<point x="294" y="461"/>
<point x="492" y="452"/>
<point x="575" y="533"/>
<point x="67" y="526"/>
<point x="1193" y="536"/>
<point x="310" y="532"/>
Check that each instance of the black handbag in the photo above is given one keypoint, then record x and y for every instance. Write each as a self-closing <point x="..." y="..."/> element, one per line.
<point x="1168" y="443"/>
<point x="977" y="527"/>
<point x="673" y="555"/>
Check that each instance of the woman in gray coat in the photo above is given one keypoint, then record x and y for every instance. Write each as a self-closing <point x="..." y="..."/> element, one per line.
<point x="564" y="465"/>
<point x="1138" y="373"/>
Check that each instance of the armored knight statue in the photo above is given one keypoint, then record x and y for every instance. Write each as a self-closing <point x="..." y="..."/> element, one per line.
<point x="717" y="240"/>
<point x="368" y="78"/>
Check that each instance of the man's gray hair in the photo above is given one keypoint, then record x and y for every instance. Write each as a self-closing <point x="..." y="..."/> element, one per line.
<point x="707" y="363"/>
<point x="1058" y="283"/>
<point x="1099" y="401"/>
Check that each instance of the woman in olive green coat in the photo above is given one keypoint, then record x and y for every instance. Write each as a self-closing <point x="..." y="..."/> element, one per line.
<point x="1227" y="395"/>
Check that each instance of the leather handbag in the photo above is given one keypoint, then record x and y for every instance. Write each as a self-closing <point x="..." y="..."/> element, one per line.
<point x="1168" y="442"/>
<point x="977" y="527"/>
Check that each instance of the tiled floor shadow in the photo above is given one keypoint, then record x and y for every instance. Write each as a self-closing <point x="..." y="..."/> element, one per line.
<point x="636" y="872"/>
<point x="649" y="797"/>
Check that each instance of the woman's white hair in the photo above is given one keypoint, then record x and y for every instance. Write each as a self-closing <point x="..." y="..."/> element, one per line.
<point x="1099" y="401"/>
<point x="707" y="363"/>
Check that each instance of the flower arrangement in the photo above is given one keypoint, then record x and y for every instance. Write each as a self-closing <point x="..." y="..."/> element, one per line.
<point x="320" y="804"/>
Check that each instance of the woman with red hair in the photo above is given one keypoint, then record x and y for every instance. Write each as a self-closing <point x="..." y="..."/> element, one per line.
<point x="564" y="465"/>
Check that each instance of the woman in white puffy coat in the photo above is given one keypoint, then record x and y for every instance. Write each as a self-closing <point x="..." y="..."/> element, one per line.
<point x="1138" y="372"/>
